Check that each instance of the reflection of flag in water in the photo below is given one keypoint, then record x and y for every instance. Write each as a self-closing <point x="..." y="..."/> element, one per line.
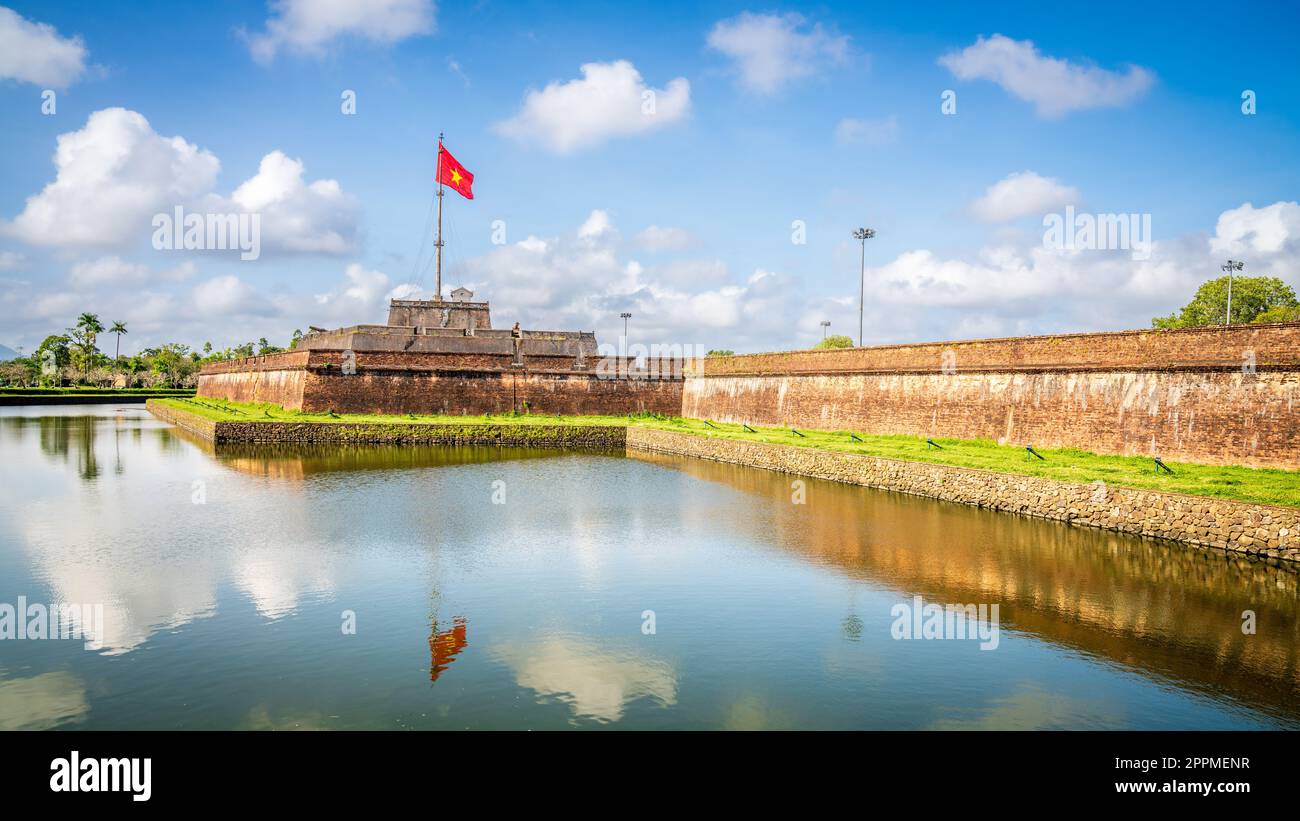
<point x="444" y="646"/>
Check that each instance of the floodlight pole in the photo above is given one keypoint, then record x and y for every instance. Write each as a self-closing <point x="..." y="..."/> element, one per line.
<point x="862" y="235"/>
<point x="1230" y="266"/>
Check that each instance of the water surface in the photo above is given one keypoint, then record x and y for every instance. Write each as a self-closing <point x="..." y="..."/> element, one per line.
<point x="501" y="588"/>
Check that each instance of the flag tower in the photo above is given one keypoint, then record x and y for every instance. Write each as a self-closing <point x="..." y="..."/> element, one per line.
<point x="437" y="245"/>
<point x="451" y="172"/>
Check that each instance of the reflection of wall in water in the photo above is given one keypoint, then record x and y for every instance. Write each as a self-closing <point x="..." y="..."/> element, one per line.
<point x="1150" y="604"/>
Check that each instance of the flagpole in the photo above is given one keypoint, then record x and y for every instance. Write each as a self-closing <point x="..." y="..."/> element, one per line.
<point x="438" y="243"/>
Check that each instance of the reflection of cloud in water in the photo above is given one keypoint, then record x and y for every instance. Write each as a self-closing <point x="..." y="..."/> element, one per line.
<point x="260" y="718"/>
<point x="88" y="559"/>
<point x="750" y="712"/>
<point x="93" y="544"/>
<point x="1030" y="708"/>
<point x="276" y="578"/>
<point x="595" y="684"/>
<point x="42" y="702"/>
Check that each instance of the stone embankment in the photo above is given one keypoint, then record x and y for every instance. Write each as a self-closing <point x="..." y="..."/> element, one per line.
<point x="1258" y="530"/>
<point x="601" y="437"/>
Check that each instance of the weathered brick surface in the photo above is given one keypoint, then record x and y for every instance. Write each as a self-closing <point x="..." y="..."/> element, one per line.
<point x="280" y="387"/>
<point x="1272" y="346"/>
<point x="1183" y="395"/>
<point x="480" y="391"/>
<point x="409" y="382"/>
<point x="1259" y="530"/>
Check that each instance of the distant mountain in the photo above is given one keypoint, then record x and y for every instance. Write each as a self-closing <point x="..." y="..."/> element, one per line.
<point x="7" y="353"/>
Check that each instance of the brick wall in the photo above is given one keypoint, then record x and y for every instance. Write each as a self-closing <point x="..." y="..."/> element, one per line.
<point x="277" y="386"/>
<point x="1192" y="348"/>
<point x="1184" y="395"/>
<point x="409" y="382"/>
<point x="481" y="391"/>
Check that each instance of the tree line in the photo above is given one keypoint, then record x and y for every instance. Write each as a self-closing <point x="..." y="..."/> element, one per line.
<point x="74" y="358"/>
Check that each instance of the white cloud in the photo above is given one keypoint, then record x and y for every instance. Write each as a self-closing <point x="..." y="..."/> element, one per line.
<point x="866" y="132"/>
<point x="772" y="50"/>
<point x="1029" y="288"/>
<point x="112" y="176"/>
<point x="1023" y="194"/>
<point x="229" y="295"/>
<point x="297" y="217"/>
<point x="362" y="298"/>
<point x="609" y="100"/>
<point x="115" y="174"/>
<point x="310" y="26"/>
<point x="692" y="273"/>
<point x="1247" y="230"/>
<point x="54" y="306"/>
<point x="11" y="260"/>
<point x="36" y="53"/>
<point x="583" y="282"/>
<point x="113" y="270"/>
<point x="107" y="271"/>
<point x="1054" y="86"/>
<point x="596" y="224"/>
<point x="657" y="238"/>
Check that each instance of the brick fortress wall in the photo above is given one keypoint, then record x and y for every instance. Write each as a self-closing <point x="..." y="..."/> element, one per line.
<point x="1217" y="395"/>
<point x="456" y="383"/>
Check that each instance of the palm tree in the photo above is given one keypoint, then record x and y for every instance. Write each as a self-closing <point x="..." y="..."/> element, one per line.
<point x="90" y="327"/>
<point x="118" y="328"/>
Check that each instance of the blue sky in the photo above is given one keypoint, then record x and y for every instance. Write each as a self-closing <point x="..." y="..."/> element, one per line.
<point x="825" y="116"/>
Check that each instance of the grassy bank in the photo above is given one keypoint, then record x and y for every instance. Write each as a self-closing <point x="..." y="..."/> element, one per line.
<point x="221" y="411"/>
<point x="1242" y="484"/>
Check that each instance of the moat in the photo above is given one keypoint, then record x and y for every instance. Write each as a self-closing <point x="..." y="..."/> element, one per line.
<point x="509" y="588"/>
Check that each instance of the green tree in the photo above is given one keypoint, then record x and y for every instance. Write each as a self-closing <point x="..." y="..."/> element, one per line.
<point x="118" y="328"/>
<point x="83" y="336"/>
<point x="1251" y="297"/>
<point x="172" y="362"/>
<point x="132" y="366"/>
<point x="1282" y="313"/>
<point x="51" y="357"/>
<point x="295" y="339"/>
<point x="834" y="341"/>
<point x="721" y="352"/>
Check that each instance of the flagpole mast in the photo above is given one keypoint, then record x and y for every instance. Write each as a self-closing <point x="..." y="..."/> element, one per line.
<point x="438" y="243"/>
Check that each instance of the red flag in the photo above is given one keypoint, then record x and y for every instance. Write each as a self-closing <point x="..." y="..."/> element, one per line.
<point x="452" y="173"/>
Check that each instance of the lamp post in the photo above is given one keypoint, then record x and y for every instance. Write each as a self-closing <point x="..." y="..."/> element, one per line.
<point x="826" y="323"/>
<point x="1230" y="266"/>
<point x="862" y="235"/>
<point x="626" y="316"/>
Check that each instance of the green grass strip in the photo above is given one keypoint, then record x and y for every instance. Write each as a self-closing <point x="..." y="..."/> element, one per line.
<point x="1237" y="483"/>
